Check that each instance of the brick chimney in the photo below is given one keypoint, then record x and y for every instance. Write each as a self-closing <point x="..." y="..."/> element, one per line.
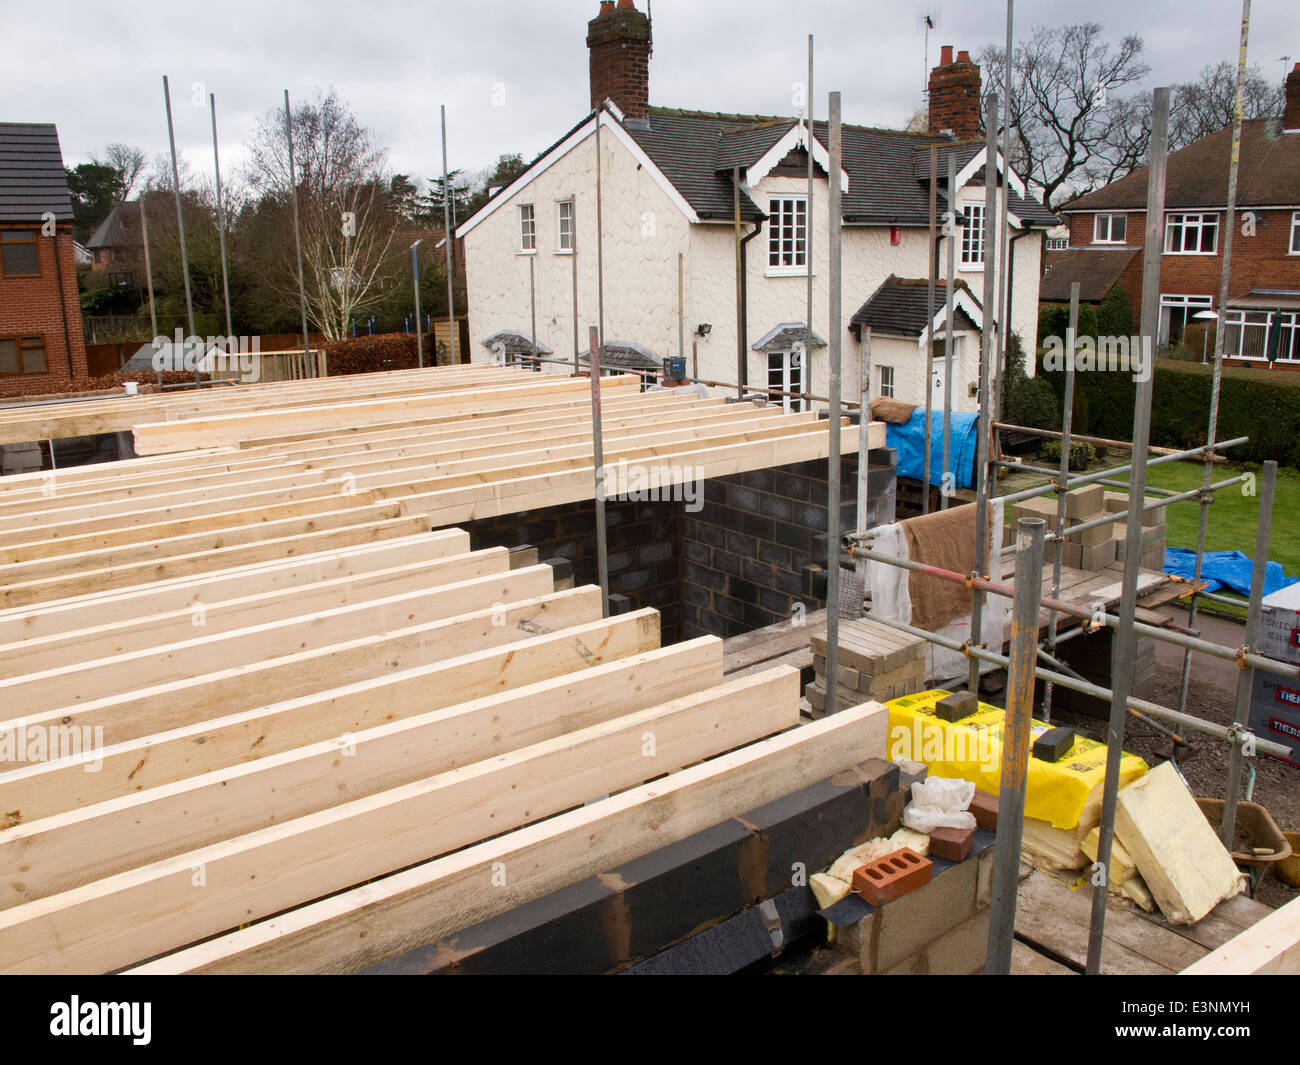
<point x="619" y="42"/>
<point x="955" y="96"/>
<point x="1291" y="116"/>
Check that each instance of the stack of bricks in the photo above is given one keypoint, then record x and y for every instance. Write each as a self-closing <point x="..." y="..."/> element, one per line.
<point x="875" y="662"/>
<point x="21" y="458"/>
<point x="1154" y="532"/>
<point x="1095" y="548"/>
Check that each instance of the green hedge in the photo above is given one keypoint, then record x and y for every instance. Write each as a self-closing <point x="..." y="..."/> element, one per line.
<point x="1259" y="403"/>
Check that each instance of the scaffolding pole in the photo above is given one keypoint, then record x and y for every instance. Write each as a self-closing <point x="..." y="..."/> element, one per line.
<point x="297" y="239"/>
<point x="1122" y="641"/>
<point x="1225" y="276"/>
<point x="929" y="313"/>
<point x="180" y="222"/>
<point x="1004" y="251"/>
<point x="1015" y="744"/>
<point x="1067" y="417"/>
<point x="986" y="406"/>
<point x="948" y="338"/>
<point x="864" y="457"/>
<point x="1241" y="714"/>
<point x="833" y="387"/>
<point x="598" y="466"/>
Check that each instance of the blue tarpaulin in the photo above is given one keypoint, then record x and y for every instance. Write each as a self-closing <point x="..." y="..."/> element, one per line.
<point x="1225" y="569"/>
<point x="909" y="441"/>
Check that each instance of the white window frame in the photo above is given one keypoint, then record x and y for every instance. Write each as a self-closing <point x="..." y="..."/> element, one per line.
<point x="972" y="237"/>
<point x="1189" y="305"/>
<point x="1058" y="243"/>
<point x="527" y="229"/>
<point x="1239" y="321"/>
<point x="790" y="371"/>
<point x="1295" y="233"/>
<point x="785" y="235"/>
<point x="887" y="382"/>
<point x="1183" y="220"/>
<point x="1108" y="228"/>
<point x="564" y="227"/>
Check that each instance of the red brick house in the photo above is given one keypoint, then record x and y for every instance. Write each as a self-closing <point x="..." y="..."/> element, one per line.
<point x="40" y="315"/>
<point x="1108" y="226"/>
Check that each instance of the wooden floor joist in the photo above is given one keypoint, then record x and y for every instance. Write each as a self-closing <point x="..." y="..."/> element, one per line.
<point x="44" y="789"/>
<point x="292" y="675"/>
<point x="112" y="606"/>
<point x="43" y="857"/>
<point x="362" y="926"/>
<point x="112" y="922"/>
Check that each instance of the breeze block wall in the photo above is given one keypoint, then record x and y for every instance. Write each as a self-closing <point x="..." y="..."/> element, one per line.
<point x="643" y="540"/>
<point x="756" y="547"/>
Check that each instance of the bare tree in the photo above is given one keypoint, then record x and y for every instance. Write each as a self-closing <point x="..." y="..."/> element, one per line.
<point x="128" y="162"/>
<point x="1066" y="131"/>
<point x="345" y="200"/>
<point x="1201" y="107"/>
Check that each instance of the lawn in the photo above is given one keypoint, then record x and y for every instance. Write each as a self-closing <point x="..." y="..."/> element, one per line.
<point x="1233" y="515"/>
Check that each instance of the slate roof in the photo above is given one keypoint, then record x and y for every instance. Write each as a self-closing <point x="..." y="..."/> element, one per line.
<point x="888" y="169"/>
<point x="111" y="231"/>
<point x="515" y="342"/>
<point x="32" y="179"/>
<point x="784" y="336"/>
<point x="897" y="307"/>
<point x="1197" y="176"/>
<point x="1096" y="269"/>
<point x="626" y="355"/>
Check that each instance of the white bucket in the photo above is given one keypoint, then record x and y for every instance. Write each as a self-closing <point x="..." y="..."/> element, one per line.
<point x="132" y="388"/>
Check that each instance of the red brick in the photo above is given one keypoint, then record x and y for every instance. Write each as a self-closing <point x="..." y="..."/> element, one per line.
<point x="951" y="844"/>
<point x="891" y="876"/>
<point x="985" y="808"/>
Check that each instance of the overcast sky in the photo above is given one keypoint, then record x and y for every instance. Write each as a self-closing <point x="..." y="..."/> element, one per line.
<point x="96" y="69"/>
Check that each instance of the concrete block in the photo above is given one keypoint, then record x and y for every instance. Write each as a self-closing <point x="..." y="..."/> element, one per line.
<point x="1090" y="537"/>
<point x="1088" y="501"/>
<point x="984" y="879"/>
<point x="1103" y="554"/>
<point x="1072" y="555"/>
<point x="1114" y="501"/>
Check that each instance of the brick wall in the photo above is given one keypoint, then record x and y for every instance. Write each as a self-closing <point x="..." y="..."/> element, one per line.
<point x="643" y="542"/>
<point x="619" y="44"/>
<point x="30" y="306"/>
<point x="747" y="552"/>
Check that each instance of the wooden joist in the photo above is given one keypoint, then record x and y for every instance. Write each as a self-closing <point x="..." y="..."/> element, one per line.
<point x="114" y="606"/>
<point x="421" y="905"/>
<point x="43" y="857"/>
<point x="1269" y="948"/>
<point x="45" y="789"/>
<point x="139" y="712"/>
<point x="118" y="920"/>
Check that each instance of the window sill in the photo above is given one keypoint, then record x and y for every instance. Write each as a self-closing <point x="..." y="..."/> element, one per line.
<point x="563" y="251"/>
<point x="525" y="251"/>
<point x="1189" y="254"/>
<point x="787" y="271"/>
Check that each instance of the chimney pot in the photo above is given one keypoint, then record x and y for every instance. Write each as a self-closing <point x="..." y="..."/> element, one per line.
<point x="606" y="6"/>
<point x="945" y="56"/>
<point x="963" y="57"/>
<point x="625" y="4"/>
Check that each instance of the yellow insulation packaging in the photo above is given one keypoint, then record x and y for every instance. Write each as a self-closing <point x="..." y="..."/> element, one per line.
<point x="1060" y="793"/>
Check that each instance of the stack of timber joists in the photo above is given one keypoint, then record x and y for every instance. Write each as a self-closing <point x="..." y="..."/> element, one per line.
<point x="262" y="711"/>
